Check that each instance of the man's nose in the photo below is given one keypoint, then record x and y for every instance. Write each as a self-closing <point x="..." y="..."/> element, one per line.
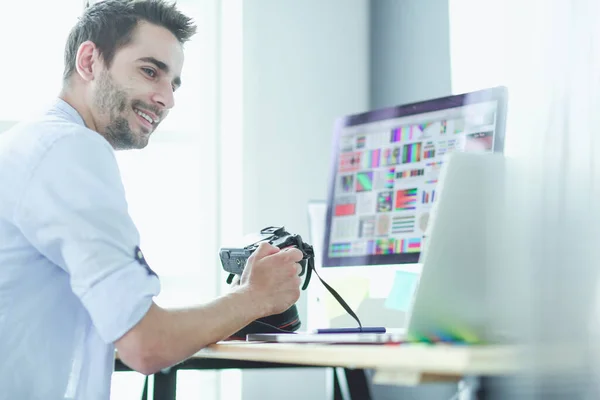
<point x="164" y="96"/>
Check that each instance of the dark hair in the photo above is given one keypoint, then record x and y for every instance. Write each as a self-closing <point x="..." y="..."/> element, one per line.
<point x="110" y="25"/>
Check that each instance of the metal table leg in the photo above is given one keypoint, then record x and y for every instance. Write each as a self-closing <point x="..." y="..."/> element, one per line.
<point x="165" y="385"/>
<point x="351" y="384"/>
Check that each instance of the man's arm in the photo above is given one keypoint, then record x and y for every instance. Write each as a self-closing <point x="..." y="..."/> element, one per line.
<point x="269" y="285"/>
<point x="165" y="337"/>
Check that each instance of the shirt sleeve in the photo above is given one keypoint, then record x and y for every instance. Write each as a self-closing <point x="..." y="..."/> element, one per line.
<point x="74" y="212"/>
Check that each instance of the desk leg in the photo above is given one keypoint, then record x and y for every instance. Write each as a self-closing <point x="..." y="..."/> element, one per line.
<point x="470" y="388"/>
<point x="351" y="384"/>
<point x="340" y="385"/>
<point x="145" y="392"/>
<point x="165" y="385"/>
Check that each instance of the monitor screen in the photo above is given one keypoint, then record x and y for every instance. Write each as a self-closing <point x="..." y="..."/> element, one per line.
<point x="385" y="167"/>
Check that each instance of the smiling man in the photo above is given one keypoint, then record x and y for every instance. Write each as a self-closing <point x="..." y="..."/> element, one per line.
<point x="125" y="94"/>
<point x="74" y="284"/>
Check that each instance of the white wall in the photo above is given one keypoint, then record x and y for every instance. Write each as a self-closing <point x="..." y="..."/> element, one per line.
<point x="305" y="63"/>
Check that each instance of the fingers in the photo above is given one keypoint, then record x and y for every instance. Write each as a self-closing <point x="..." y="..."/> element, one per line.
<point x="264" y="249"/>
<point x="287" y="258"/>
<point x="289" y="255"/>
<point x="293" y="254"/>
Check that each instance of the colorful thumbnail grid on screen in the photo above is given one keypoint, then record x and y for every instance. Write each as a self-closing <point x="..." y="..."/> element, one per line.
<point x="386" y="181"/>
<point x="381" y="246"/>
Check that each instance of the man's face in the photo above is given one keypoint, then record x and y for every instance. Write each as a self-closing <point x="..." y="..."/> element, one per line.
<point x="135" y="94"/>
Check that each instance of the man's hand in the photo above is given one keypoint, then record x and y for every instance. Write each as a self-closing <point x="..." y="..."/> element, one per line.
<point x="271" y="276"/>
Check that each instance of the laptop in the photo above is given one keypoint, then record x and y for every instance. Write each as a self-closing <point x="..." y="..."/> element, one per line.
<point x="453" y="301"/>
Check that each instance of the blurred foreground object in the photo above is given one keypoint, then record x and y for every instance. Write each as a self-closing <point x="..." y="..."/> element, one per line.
<point x="551" y="247"/>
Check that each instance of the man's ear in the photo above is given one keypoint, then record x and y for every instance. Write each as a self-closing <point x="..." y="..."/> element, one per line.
<point x="86" y="62"/>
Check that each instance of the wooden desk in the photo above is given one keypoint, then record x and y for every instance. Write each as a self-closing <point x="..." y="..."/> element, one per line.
<point x="393" y="364"/>
<point x="407" y="364"/>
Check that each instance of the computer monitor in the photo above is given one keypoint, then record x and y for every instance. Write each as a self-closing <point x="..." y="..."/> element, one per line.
<point x="385" y="167"/>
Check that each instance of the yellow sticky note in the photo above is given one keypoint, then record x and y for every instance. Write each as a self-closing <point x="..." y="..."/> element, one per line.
<point x="352" y="289"/>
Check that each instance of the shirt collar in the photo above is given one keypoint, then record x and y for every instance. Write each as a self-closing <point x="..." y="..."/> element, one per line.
<point x="68" y="110"/>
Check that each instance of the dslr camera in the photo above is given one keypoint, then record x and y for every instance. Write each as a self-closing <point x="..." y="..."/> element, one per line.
<point x="234" y="261"/>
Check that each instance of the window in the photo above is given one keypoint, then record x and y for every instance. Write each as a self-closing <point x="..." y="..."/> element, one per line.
<point x="32" y="63"/>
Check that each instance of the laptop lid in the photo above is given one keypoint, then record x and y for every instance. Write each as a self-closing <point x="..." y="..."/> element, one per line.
<point x="454" y="299"/>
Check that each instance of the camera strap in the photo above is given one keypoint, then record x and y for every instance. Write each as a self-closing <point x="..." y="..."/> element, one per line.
<point x="335" y="294"/>
<point x="309" y="252"/>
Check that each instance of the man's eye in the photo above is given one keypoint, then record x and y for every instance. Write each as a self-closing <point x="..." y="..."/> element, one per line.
<point x="149" y="71"/>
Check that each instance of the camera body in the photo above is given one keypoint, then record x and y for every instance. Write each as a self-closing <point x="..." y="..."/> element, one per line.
<point x="234" y="260"/>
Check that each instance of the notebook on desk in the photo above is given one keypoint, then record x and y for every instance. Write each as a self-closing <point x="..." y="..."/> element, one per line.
<point x="450" y="302"/>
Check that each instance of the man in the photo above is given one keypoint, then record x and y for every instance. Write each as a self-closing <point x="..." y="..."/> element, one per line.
<point x="73" y="282"/>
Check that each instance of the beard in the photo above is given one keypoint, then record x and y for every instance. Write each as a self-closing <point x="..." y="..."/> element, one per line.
<point x="113" y="102"/>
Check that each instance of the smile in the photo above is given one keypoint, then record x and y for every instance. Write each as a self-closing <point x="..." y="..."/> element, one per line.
<point x="146" y="116"/>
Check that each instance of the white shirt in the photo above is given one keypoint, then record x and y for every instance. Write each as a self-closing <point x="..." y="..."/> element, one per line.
<point x="70" y="283"/>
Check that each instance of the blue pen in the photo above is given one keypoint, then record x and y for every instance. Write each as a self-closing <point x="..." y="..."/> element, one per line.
<point x="364" y="329"/>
